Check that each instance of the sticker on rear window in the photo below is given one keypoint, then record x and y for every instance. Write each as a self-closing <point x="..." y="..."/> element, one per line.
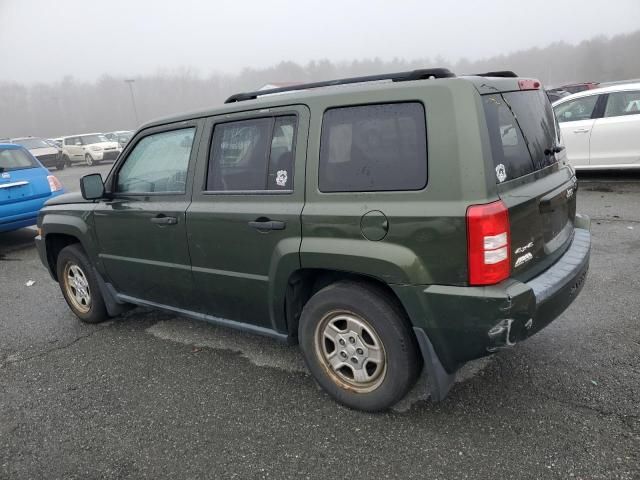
<point x="281" y="178"/>
<point x="501" y="173"/>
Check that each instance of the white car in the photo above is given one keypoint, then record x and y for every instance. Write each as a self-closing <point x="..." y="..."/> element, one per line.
<point x="601" y="127"/>
<point x="89" y="148"/>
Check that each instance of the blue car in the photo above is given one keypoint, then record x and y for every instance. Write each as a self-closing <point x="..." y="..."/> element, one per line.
<point x="24" y="187"/>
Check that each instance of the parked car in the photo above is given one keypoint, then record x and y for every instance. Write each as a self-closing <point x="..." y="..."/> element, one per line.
<point x="120" y="136"/>
<point x="555" y="95"/>
<point x="47" y="154"/>
<point x="89" y="148"/>
<point x="601" y="127"/>
<point x="24" y="187"/>
<point x="576" y="87"/>
<point x="399" y="223"/>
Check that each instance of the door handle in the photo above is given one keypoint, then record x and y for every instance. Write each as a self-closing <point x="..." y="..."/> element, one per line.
<point x="164" y="220"/>
<point x="581" y="130"/>
<point x="267" y="224"/>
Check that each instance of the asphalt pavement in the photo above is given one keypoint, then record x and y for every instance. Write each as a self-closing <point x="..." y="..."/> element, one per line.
<point x="152" y="395"/>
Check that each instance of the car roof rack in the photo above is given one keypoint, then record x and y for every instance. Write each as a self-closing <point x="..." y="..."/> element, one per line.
<point x="421" y="74"/>
<point x="499" y="73"/>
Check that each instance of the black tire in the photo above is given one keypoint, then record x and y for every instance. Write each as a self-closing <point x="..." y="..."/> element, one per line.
<point x="94" y="311"/>
<point x="60" y="166"/>
<point x="389" y="326"/>
<point x="88" y="160"/>
<point x="66" y="160"/>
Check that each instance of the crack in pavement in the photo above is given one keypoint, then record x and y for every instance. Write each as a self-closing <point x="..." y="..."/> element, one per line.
<point x="612" y="219"/>
<point x="10" y="360"/>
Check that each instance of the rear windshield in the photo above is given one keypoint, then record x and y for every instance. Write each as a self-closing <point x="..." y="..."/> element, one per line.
<point x="522" y="128"/>
<point x="15" y="159"/>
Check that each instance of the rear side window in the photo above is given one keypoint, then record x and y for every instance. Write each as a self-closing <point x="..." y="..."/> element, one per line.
<point x="623" y="103"/>
<point x="253" y="155"/>
<point x="522" y="132"/>
<point x="379" y="147"/>
<point x="15" y="159"/>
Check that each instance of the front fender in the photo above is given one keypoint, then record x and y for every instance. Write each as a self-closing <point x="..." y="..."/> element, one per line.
<point x="74" y="222"/>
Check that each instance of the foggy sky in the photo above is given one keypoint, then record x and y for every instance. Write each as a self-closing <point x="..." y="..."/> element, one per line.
<point x="46" y="40"/>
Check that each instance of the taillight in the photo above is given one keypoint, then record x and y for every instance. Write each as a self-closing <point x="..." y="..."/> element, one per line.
<point x="528" y="84"/>
<point x="54" y="183"/>
<point x="488" y="243"/>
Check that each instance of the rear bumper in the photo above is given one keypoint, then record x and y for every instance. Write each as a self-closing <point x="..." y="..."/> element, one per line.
<point x="465" y="323"/>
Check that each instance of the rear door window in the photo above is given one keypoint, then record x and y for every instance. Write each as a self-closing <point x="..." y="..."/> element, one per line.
<point x="623" y="103"/>
<point x="380" y="147"/>
<point x="253" y="155"/>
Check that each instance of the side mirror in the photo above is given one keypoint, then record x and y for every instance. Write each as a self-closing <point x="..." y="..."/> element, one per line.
<point x="92" y="186"/>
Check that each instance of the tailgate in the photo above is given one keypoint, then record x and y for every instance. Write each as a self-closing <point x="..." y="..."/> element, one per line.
<point x="539" y="193"/>
<point x="541" y="216"/>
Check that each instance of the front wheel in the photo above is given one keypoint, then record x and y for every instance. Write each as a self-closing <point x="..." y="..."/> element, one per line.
<point x="358" y="345"/>
<point x="79" y="285"/>
<point x="61" y="165"/>
<point x="88" y="159"/>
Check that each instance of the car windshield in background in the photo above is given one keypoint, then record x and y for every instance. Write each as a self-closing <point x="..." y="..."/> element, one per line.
<point x="15" y="159"/>
<point x="31" y="143"/>
<point x="522" y="131"/>
<point x="88" y="139"/>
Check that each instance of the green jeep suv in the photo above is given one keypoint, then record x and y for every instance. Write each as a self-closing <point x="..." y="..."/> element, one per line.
<point x="390" y="225"/>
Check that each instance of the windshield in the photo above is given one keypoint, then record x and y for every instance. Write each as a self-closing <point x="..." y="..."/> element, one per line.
<point x="15" y="159"/>
<point x="522" y="132"/>
<point x="30" y="143"/>
<point x="88" y="139"/>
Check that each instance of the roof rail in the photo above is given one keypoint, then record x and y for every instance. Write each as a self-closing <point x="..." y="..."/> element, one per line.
<point x="421" y="74"/>
<point x="499" y="73"/>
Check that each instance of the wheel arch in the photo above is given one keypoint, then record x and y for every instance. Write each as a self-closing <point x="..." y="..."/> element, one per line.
<point x="60" y="231"/>
<point x="305" y="282"/>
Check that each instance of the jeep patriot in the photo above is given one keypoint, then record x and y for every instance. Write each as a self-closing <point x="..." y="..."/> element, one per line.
<point x="391" y="225"/>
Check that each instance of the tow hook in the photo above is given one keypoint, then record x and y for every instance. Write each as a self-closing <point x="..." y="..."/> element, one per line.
<point x="499" y="335"/>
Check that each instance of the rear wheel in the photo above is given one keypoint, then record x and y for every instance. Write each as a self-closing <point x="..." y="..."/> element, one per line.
<point x="358" y="345"/>
<point x="79" y="285"/>
<point x="88" y="159"/>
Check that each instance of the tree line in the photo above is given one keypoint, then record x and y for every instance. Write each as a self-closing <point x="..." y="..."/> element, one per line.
<point x="70" y="106"/>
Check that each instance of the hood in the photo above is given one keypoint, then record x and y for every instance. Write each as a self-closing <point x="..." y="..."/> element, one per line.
<point x="67" y="198"/>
